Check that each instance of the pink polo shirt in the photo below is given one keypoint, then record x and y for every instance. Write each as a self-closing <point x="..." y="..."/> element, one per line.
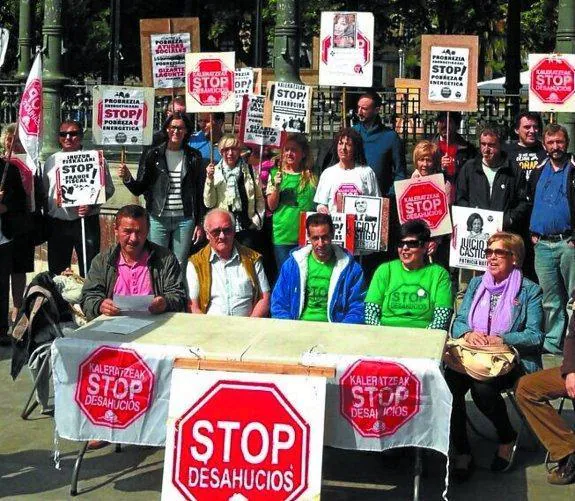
<point x="134" y="280"/>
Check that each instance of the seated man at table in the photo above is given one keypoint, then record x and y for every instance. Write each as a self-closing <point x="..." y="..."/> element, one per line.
<point x="226" y="278"/>
<point x="133" y="267"/>
<point x="320" y="281"/>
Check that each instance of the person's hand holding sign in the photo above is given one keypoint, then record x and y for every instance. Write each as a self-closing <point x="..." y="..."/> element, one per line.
<point x="124" y="173"/>
<point x="83" y="210"/>
<point x="108" y="308"/>
<point x="157" y="306"/>
<point x="210" y="169"/>
<point x="446" y="163"/>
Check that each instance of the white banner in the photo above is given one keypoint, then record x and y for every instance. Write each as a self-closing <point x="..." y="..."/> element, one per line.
<point x="288" y="107"/>
<point x="168" y="59"/>
<point x="80" y="178"/>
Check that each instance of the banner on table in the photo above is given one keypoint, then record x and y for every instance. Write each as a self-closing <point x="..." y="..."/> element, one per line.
<point x="168" y="52"/>
<point x="424" y="198"/>
<point x="210" y="82"/>
<point x="552" y="82"/>
<point x="80" y="178"/>
<point x="449" y="72"/>
<point x="27" y="175"/>
<point x="371" y="221"/>
<point x="288" y="107"/>
<point x="4" y="38"/>
<point x="213" y="432"/>
<point x="344" y="226"/>
<point x="123" y="116"/>
<point x="471" y="229"/>
<point x="252" y="132"/>
<point x="346" y="49"/>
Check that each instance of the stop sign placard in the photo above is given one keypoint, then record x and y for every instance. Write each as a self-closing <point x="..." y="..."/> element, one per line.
<point x="211" y="82"/>
<point x="241" y="440"/>
<point x="552" y="82"/>
<point x="115" y="387"/>
<point x="31" y="108"/>
<point x="377" y="398"/>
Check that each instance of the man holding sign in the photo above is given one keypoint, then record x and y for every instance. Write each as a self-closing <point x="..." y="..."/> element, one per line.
<point x="65" y="222"/>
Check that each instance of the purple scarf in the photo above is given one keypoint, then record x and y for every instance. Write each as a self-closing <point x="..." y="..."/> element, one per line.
<point x="478" y="318"/>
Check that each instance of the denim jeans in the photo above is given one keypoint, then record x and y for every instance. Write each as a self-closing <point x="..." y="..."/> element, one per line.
<point x="175" y="233"/>
<point x="555" y="267"/>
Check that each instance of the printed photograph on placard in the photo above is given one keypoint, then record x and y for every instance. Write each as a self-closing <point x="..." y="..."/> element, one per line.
<point x="344" y="30"/>
<point x="472" y="228"/>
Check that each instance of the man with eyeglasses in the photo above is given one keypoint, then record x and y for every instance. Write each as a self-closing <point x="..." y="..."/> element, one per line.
<point x="320" y="282"/>
<point x="65" y="228"/>
<point x="226" y="278"/>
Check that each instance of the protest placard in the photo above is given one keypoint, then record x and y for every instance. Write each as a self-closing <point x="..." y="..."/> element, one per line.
<point x="344" y="230"/>
<point x="552" y="82"/>
<point x="424" y="198"/>
<point x="472" y="228"/>
<point x="252" y="133"/>
<point x="244" y="81"/>
<point x="449" y="72"/>
<point x="346" y="49"/>
<point x="169" y="59"/>
<point x="80" y="178"/>
<point x="123" y="115"/>
<point x="288" y="107"/>
<point x="371" y="221"/>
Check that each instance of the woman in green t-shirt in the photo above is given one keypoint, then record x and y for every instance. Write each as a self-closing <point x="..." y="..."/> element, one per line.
<point x="290" y="191"/>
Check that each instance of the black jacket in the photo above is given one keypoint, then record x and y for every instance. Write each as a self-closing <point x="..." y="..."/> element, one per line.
<point x="472" y="190"/>
<point x="153" y="181"/>
<point x="15" y="220"/>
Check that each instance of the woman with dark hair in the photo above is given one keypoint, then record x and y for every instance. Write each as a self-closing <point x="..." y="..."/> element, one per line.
<point x="350" y="176"/>
<point x="410" y="291"/>
<point x="170" y="178"/>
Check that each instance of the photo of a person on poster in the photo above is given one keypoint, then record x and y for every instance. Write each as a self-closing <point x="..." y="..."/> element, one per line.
<point x="475" y="227"/>
<point x="344" y="31"/>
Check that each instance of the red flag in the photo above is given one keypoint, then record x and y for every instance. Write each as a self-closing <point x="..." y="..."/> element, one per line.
<point x="30" y="114"/>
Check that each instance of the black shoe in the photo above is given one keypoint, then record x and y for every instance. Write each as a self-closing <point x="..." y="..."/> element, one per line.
<point x="463" y="468"/>
<point x="565" y="472"/>
<point x="500" y="464"/>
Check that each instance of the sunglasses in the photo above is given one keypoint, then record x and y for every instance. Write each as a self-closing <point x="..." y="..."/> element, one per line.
<point x="227" y="231"/>
<point x="498" y="253"/>
<point x="410" y="244"/>
<point x="173" y="128"/>
<point x="71" y="133"/>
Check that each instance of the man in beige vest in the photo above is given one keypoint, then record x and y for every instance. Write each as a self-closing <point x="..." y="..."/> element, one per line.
<point x="226" y="278"/>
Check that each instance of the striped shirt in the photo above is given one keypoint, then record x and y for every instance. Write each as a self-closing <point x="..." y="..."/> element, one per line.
<point x="174" y="205"/>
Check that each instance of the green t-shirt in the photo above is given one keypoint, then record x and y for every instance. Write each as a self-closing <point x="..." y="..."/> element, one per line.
<point x="316" y="289"/>
<point x="408" y="298"/>
<point x="293" y="201"/>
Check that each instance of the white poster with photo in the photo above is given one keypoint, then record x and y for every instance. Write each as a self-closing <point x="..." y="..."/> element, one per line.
<point x="371" y="222"/>
<point x="244" y="79"/>
<point x="346" y="49"/>
<point x="168" y="52"/>
<point x="472" y="228"/>
<point x="288" y="107"/>
<point x="80" y="178"/>
<point x="448" y="74"/>
<point x="252" y="132"/>
<point x="123" y="116"/>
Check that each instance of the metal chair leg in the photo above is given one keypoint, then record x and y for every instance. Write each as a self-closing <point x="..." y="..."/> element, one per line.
<point x="417" y="475"/>
<point x="29" y="408"/>
<point x="76" y="470"/>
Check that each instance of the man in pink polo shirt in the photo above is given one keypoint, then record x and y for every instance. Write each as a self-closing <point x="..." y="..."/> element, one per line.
<point x="133" y="267"/>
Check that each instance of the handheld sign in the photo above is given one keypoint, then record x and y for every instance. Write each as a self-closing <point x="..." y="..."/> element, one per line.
<point x="168" y="59"/>
<point x="424" y="198"/>
<point x="346" y="49"/>
<point x="449" y="72"/>
<point x="4" y="37"/>
<point x="552" y="82"/>
<point x="210" y="82"/>
<point x="371" y="221"/>
<point x="252" y="132"/>
<point x="472" y="228"/>
<point x="288" y="107"/>
<point x="344" y="226"/>
<point x="244" y="80"/>
<point x="80" y="178"/>
<point x="123" y="115"/>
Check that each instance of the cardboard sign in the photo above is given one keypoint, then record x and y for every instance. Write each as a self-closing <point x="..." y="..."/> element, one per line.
<point x="80" y="178"/>
<point x="344" y="225"/>
<point x="210" y="82"/>
<point x="169" y="59"/>
<point x="288" y="107"/>
<point x="371" y="221"/>
<point x="552" y="82"/>
<point x="424" y="198"/>
<point x="123" y="115"/>
<point x="218" y="448"/>
<point x="252" y="132"/>
<point x="346" y="50"/>
<point x="4" y="37"/>
<point x="449" y="72"/>
<point x="471" y="229"/>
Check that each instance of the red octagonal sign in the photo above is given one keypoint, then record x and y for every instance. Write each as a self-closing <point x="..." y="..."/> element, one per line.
<point x="115" y="387"/>
<point x="378" y="398"/>
<point x="553" y="80"/>
<point x="423" y="200"/>
<point x="31" y="108"/>
<point x="241" y="440"/>
<point x="211" y="82"/>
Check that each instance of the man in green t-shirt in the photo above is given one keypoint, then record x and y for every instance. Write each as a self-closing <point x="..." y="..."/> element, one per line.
<point x="321" y="281"/>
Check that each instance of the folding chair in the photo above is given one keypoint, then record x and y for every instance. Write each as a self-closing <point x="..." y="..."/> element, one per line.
<point x="41" y="390"/>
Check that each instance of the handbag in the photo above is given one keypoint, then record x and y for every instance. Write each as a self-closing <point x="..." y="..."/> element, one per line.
<point x="480" y="362"/>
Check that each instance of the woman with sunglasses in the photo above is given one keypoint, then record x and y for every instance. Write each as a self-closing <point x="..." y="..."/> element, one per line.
<point x="410" y="291"/>
<point x="501" y="307"/>
<point x="170" y="178"/>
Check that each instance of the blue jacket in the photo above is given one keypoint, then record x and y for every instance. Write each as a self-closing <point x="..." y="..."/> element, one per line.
<point x="525" y="334"/>
<point x="384" y="154"/>
<point x="346" y="288"/>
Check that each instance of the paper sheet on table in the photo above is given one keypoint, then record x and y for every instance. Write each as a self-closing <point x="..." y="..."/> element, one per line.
<point x="133" y="303"/>
<point x="123" y="325"/>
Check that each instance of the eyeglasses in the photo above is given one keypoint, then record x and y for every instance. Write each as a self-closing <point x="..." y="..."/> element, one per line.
<point x="498" y="253"/>
<point x="410" y="244"/>
<point x="72" y="133"/>
<point x="174" y="128"/>
<point x="227" y="231"/>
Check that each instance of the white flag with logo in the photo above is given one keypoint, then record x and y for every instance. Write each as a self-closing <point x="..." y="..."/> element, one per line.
<point x="30" y="114"/>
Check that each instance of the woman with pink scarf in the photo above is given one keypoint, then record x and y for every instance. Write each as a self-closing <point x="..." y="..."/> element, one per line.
<point x="501" y="307"/>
